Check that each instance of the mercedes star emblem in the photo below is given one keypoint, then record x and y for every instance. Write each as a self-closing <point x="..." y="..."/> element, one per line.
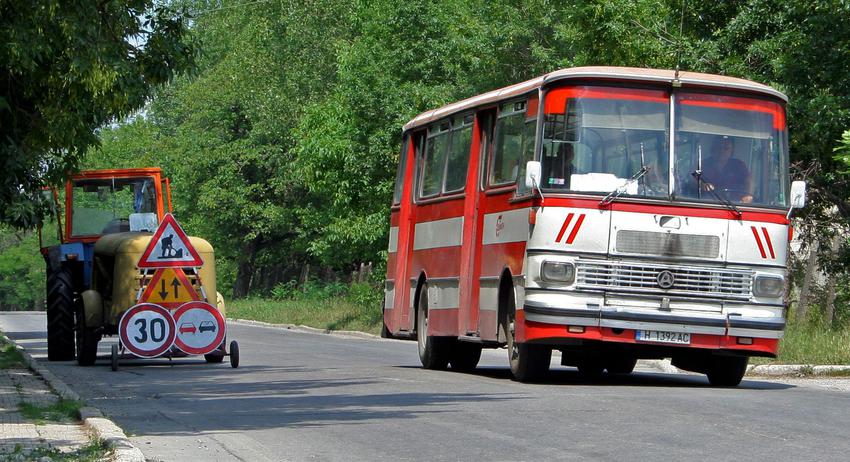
<point x="665" y="279"/>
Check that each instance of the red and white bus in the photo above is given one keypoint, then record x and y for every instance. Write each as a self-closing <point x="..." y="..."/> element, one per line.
<point x="612" y="214"/>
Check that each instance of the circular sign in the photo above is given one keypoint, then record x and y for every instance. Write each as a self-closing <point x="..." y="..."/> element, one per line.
<point x="200" y="328"/>
<point x="147" y="330"/>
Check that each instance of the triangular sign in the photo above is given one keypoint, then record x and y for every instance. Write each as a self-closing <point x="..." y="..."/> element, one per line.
<point x="169" y="288"/>
<point x="170" y="248"/>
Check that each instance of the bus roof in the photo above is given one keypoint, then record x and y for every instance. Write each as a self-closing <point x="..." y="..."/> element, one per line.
<point x="633" y="74"/>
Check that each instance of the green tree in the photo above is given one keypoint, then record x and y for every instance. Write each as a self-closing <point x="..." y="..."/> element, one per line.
<point x="70" y="67"/>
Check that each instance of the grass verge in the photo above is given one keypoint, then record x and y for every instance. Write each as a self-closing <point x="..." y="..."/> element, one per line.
<point x="811" y="344"/>
<point x="93" y="452"/>
<point x="61" y="411"/>
<point x="333" y="313"/>
<point x="10" y="357"/>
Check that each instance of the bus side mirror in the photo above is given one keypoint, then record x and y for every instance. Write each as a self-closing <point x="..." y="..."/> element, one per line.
<point x="798" y="194"/>
<point x="532" y="174"/>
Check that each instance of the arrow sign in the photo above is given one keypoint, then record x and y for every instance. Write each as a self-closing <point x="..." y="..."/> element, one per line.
<point x="179" y="292"/>
<point x="170" y="248"/>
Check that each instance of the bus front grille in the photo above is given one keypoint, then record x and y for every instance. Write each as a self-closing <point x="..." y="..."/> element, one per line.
<point x="638" y="277"/>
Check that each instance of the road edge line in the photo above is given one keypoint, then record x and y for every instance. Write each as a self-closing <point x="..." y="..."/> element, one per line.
<point x="92" y="418"/>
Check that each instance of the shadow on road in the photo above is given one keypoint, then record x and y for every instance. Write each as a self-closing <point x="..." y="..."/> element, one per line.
<point x="568" y="376"/>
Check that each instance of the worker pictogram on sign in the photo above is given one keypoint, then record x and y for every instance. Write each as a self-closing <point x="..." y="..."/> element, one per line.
<point x="147" y="330"/>
<point x="170" y="288"/>
<point x="170" y="248"/>
<point x="200" y="328"/>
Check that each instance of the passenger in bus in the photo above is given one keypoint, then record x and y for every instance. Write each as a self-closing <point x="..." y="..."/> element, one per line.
<point x="727" y="175"/>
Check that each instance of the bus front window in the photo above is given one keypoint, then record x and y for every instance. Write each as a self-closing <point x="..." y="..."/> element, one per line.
<point x="596" y="138"/>
<point x="730" y="149"/>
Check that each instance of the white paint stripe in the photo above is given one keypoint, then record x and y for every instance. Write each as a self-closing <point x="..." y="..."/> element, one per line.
<point x="443" y="295"/>
<point x="438" y="233"/>
<point x="393" y="247"/>
<point x="488" y="298"/>
<point x="507" y="226"/>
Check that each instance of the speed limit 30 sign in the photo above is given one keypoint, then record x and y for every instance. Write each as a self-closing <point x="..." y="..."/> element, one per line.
<point x="147" y="330"/>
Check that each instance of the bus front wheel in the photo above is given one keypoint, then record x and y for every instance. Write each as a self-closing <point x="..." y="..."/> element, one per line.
<point x="529" y="362"/>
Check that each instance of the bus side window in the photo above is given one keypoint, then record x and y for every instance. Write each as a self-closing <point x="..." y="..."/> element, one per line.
<point x="458" y="161"/>
<point x="434" y="160"/>
<point x="402" y="164"/>
<point x="508" y="147"/>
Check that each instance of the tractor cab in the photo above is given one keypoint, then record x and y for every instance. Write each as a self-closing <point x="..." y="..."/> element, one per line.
<point x="113" y="201"/>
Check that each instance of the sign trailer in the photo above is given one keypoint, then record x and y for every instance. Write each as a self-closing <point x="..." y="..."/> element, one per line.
<point x="172" y="318"/>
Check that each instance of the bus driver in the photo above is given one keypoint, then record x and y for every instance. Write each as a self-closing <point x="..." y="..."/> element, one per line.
<point x="726" y="175"/>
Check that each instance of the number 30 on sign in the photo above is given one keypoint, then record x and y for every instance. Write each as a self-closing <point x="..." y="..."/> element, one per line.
<point x="147" y="330"/>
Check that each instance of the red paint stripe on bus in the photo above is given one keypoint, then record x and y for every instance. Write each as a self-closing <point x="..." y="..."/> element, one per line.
<point x="758" y="241"/>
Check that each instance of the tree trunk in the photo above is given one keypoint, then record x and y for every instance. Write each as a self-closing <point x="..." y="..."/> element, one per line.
<point x="305" y="273"/>
<point x="808" y="279"/>
<point x="829" y="316"/>
<point x="245" y="270"/>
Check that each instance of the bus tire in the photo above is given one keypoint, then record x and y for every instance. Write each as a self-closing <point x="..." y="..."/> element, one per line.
<point x="727" y="371"/>
<point x="60" y="315"/>
<point x="433" y="351"/>
<point x="464" y="356"/>
<point x="528" y="362"/>
<point x="620" y="365"/>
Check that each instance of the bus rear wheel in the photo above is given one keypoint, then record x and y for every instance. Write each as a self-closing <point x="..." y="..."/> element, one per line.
<point x="433" y="350"/>
<point x="464" y="356"/>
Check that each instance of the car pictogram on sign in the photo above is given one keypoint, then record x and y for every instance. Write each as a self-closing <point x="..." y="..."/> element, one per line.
<point x="187" y="328"/>
<point x="206" y="326"/>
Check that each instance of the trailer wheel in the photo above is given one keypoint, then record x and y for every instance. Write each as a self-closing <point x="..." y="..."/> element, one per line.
<point x="433" y="352"/>
<point x="464" y="356"/>
<point x="114" y="357"/>
<point x="86" y="341"/>
<point x="528" y="362"/>
<point x="727" y="371"/>
<point x="234" y="354"/>
<point x="60" y="316"/>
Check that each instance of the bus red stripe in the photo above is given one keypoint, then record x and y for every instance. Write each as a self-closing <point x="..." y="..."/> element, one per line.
<point x="769" y="243"/>
<point x="575" y="229"/>
<point x="564" y="228"/>
<point x="758" y="241"/>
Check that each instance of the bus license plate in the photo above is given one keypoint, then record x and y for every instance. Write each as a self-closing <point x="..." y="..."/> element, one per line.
<point x="678" y="338"/>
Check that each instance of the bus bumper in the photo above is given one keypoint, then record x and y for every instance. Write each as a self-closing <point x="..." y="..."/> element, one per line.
<point x="540" y="323"/>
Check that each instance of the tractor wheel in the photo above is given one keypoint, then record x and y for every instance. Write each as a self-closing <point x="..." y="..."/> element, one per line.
<point x="60" y="316"/>
<point x="216" y="356"/>
<point x="86" y="341"/>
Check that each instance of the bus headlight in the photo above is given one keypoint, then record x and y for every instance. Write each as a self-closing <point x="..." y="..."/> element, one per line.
<point x="558" y="271"/>
<point x="769" y="286"/>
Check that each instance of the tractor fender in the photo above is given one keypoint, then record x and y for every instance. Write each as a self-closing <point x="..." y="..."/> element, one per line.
<point x="93" y="308"/>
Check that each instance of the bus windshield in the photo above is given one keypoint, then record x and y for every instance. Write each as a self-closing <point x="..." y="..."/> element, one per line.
<point x="730" y="149"/>
<point x="601" y="139"/>
<point x="596" y="138"/>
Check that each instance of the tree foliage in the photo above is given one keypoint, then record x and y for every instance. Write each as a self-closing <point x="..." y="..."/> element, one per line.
<point x="70" y="67"/>
<point x="283" y="147"/>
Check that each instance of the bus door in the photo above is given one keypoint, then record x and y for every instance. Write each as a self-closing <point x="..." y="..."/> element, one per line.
<point x="403" y="239"/>
<point x="471" y="253"/>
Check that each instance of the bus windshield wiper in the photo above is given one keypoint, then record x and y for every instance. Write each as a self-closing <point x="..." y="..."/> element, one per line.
<point x="726" y="202"/>
<point x="616" y="193"/>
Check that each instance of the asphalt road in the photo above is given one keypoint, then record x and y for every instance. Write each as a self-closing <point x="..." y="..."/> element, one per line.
<point x="313" y="397"/>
